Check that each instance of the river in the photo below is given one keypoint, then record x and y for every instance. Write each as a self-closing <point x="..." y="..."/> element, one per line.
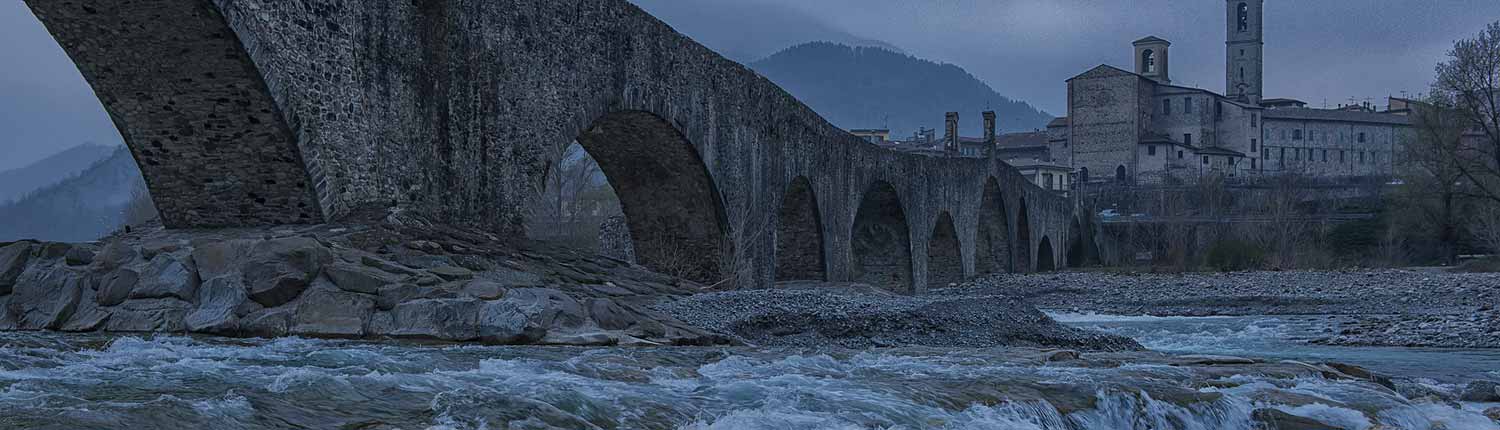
<point x="144" y="382"/>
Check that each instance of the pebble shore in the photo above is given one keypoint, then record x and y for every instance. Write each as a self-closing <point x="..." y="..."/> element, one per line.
<point x="1385" y="307"/>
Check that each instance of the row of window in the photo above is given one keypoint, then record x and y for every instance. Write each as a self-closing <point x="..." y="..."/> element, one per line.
<point x="1312" y="154"/>
<point x="1313" y="135"/>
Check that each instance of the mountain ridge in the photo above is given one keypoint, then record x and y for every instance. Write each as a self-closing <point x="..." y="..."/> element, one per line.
<point x="872" y="87"/>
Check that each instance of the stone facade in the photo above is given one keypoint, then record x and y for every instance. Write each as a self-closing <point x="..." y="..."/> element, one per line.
<point x="1138" y="127"/>
<point x="319" y="109"/>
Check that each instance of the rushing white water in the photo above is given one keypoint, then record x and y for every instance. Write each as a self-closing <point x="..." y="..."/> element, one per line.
<point x="78" y="381"/>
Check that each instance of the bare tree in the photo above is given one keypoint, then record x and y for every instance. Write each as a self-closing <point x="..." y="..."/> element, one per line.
<point x="1468" y="86"/>
<point x="1432" y="167"/>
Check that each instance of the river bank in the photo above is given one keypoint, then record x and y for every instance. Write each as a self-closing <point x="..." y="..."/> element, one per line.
<point x="1409" y="308"/>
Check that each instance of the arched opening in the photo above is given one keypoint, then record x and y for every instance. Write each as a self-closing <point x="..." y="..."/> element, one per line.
<point x="945" y="263"/>
<point x="1120" y="174"/>
<point x="1044" y="257"/>
<point x="799" y="235"/>
<point x="1083" y="175"/>
<point x="576" y="203"/>
<point x="882" y="240"/>
<point x="992" y="250"/>
<point x="1023" y="240"/>
<point x="1077" y="251"/>
<point x="1244" y="16"/>
<point x="1148" y="61"/>
<point x="673" y="209"/>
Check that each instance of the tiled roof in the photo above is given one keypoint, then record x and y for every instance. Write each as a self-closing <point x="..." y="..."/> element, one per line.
<point x="1308" y="114"/>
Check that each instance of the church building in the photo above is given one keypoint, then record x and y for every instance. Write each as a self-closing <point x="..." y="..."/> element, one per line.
<point x="1137" y="126"/>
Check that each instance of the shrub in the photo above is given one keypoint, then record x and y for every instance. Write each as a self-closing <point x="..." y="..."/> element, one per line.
<point x="1235" y="255"/>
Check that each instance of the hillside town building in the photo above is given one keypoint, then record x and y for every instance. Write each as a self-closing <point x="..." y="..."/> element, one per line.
<point x="1137" y="126"/>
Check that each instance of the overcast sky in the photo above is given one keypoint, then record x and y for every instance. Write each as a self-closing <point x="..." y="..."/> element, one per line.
<point x="1315" y="50"/>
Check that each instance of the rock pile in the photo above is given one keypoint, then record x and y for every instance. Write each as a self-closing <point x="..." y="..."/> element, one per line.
<point x="857" y="316"/>
<point x="350" y="281"/>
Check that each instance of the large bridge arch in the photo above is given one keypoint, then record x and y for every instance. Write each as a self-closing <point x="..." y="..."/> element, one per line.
<point x="881" y="240"/>
<point x="944" y="256"/>
<point x="800" y="252"/>
<point x="210" y="139"/>
<point x="671" y="204"/>
<point x="992" y="244"/>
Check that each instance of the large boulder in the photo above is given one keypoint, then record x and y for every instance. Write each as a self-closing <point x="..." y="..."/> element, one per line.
<point x="505" y="323"/>
<point x="280" y="269"/>
<point x="549" y="308"/>
<point x="45" y="298"/>
<point x="149" y="315"/>
<point x="80" y="255"/>
<point x="88" y="316"/>
<point x="358" y="278"/>
<point x="1481" y="391"/>
<point x="116" y="286"/>
<point x="116" y="254"/>
<point x="391" y="295"/>
<point x="167" y="276"/>
<point x="221" y="301"/>
<point x="221" y="258"/>
<point x="267" y="322"/>
<point x="13" y="260"/>
<point x="1275" y="419"/>
<point x="446" y="319"/>
<point x="327" y="311"/>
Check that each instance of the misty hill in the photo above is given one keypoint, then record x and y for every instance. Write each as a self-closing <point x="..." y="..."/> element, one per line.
<point x="746" y="31"/>
<point x="861" y="87"/>
<point x="80" y="208"/>
<point x="17" y="182"/>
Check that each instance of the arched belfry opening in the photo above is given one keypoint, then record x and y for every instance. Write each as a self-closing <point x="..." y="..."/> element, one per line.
<point x="1243" y="13"/>
<point x="1023" y="239"/>
<point x="1044" y="258"/>
<point x="671" y="205"/>
<point x="882" y="240"/>
<point x="1148" y="61"/>
<point x="945" y="263"/>
<point x="992" y="247"/>
<point x="799" y="235"/>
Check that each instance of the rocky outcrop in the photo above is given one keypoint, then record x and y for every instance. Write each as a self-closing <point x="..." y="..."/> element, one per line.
<point x="860" y="316"/>
<point x="348" y="281"/>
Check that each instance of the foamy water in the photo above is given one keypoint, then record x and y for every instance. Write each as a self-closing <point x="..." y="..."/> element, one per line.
<point x="87" y="381"/>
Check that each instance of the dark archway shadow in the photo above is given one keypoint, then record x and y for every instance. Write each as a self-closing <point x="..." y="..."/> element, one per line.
<point x="799" y="235"/>
<point x="945" y="263"/>
<point x="882" y="240"/>
<point x="1077" y="252"/>
<point x="1044" y="262"/>
<point x="992" y="247"/>
<point x="671" y="204"/>
<point x="1023" y="240"/>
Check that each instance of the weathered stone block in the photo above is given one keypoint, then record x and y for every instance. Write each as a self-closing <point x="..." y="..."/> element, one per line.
<point x="167" y="276"/>
<point x="281" y="269"/>
<point x="327" y="311"/>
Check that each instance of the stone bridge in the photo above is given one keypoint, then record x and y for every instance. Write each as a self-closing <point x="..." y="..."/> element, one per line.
<point x="254" y="112"/>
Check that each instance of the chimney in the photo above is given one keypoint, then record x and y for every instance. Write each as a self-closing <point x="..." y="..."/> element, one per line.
<point x="989" y="134"/>
<point x="950" y="146"/>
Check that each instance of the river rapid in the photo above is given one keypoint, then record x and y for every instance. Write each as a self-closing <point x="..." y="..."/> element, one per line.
<point x="91" y="381"/>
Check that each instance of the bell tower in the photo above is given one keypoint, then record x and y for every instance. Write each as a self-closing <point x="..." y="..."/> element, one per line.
<point x="1245" y="50"/>
<point x="1152" y="59"/>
